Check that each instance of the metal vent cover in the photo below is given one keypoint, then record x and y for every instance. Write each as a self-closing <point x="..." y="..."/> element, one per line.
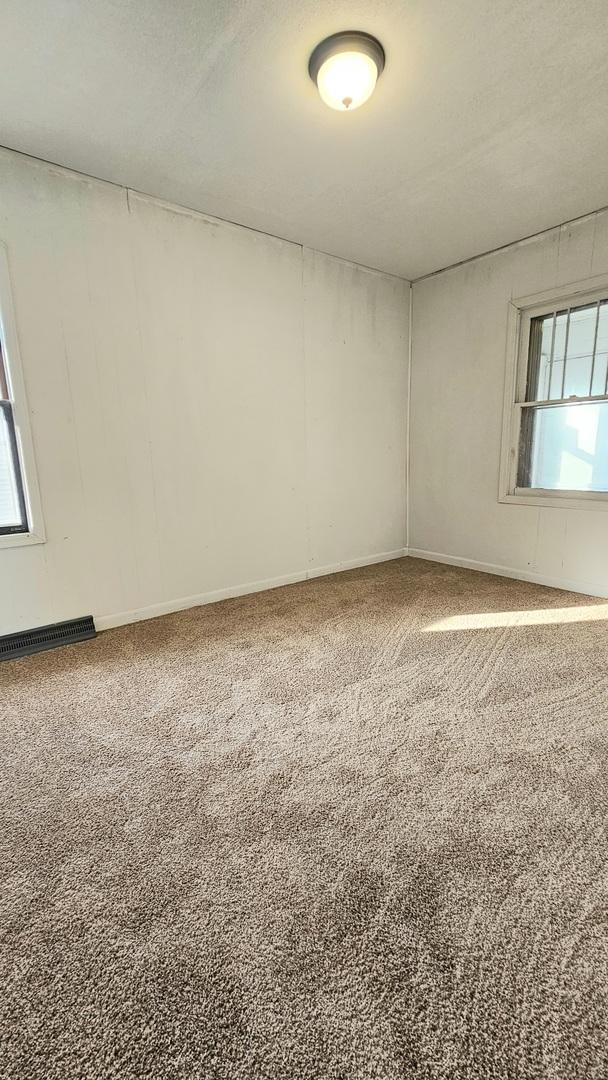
<point x="25" y="642"/>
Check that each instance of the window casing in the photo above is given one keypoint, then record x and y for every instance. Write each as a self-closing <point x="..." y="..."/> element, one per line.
<point x="555" y="430"/>
<point x="20" y="510"/>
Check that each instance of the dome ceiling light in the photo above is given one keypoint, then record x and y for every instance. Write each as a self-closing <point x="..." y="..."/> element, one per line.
<point x="345" y="68"/>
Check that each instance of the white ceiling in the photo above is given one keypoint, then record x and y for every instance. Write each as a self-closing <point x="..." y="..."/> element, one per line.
<point x="489" y="122"/>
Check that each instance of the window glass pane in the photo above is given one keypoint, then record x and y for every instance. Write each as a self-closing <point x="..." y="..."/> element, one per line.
<point x="568" y="448"/>
<point x="559" y="346"/>
<point x="581" y="338"/>
<point x="600" y="381"/>
<point x="10" y="504"/>
<point x="3" y="380"/>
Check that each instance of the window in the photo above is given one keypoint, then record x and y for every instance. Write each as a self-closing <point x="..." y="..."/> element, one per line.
<point x="20" y="513"/>
<point x="555" y="446"/>
<point x="13" y="513"/>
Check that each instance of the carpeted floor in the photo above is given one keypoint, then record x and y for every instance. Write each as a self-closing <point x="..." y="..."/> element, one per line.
<point x="353" y="829"/>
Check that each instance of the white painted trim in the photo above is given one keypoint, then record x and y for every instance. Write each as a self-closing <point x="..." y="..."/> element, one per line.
<point x="165" y="607"/>
<point x="510" y="416"/>
<point x="563" y="500"/>
<point x="586" y="587"/>
<point x="25" y="445"/>
<point x="543" y="303"/>
<point x="23" y="539"/>
<point x="353" y="564"/>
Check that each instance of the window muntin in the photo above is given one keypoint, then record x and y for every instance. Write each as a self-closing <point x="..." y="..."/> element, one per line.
<point x="13" y="511"/>
<point x="563" y="417"/>
<point x="568" y="354"/>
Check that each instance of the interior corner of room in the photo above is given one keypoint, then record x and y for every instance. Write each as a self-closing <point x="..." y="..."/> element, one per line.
<point x="184" y="453"/>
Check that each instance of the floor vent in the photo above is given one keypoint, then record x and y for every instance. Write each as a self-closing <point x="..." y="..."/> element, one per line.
<point x="46" y="637"/>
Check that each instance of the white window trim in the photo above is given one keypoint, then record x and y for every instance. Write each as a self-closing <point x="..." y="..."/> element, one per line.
<point x="36" y="533"/>
<point x="521" y="311"/>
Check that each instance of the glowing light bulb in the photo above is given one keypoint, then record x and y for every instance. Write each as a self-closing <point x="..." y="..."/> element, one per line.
<point x="346" y="80"/>
<point x="345" y="68"/>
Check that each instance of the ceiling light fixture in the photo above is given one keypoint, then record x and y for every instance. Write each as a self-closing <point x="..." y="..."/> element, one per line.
<point x="345" y="68"/>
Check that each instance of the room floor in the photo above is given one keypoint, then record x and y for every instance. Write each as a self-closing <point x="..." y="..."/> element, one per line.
<point x="351" y="828"/>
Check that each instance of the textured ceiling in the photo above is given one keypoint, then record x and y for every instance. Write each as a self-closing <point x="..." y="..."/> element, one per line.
<point x="488" y="124"/>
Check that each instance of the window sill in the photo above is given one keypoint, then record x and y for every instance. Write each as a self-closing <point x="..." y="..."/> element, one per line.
<point x="10" y="540"/>
<point x="563" y="500"/>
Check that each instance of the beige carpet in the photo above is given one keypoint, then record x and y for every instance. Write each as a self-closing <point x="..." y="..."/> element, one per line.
<point x="348" y="829"/>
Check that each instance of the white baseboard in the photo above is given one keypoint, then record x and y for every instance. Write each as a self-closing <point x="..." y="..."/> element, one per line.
<point x="165" y="607"/>
<point x="352" y="564"/>
<point x="588" y="588"/>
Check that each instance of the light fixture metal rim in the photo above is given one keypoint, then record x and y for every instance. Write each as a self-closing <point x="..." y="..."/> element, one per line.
<point x="346" y="41"/>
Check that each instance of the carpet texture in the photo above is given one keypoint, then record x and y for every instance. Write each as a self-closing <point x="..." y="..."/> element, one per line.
<point x="352" y="828"/>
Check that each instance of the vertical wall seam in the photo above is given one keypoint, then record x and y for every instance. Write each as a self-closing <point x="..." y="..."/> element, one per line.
<point x="408" y="415"/>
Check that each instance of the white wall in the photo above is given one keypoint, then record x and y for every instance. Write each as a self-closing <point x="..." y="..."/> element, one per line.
<point x="212" y="409"/>
<point x="459" y="330"/>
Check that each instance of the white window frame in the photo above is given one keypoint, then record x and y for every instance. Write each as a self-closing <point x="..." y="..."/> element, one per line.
<point x="521" y="312"/>
<point x="16" y="386"/>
